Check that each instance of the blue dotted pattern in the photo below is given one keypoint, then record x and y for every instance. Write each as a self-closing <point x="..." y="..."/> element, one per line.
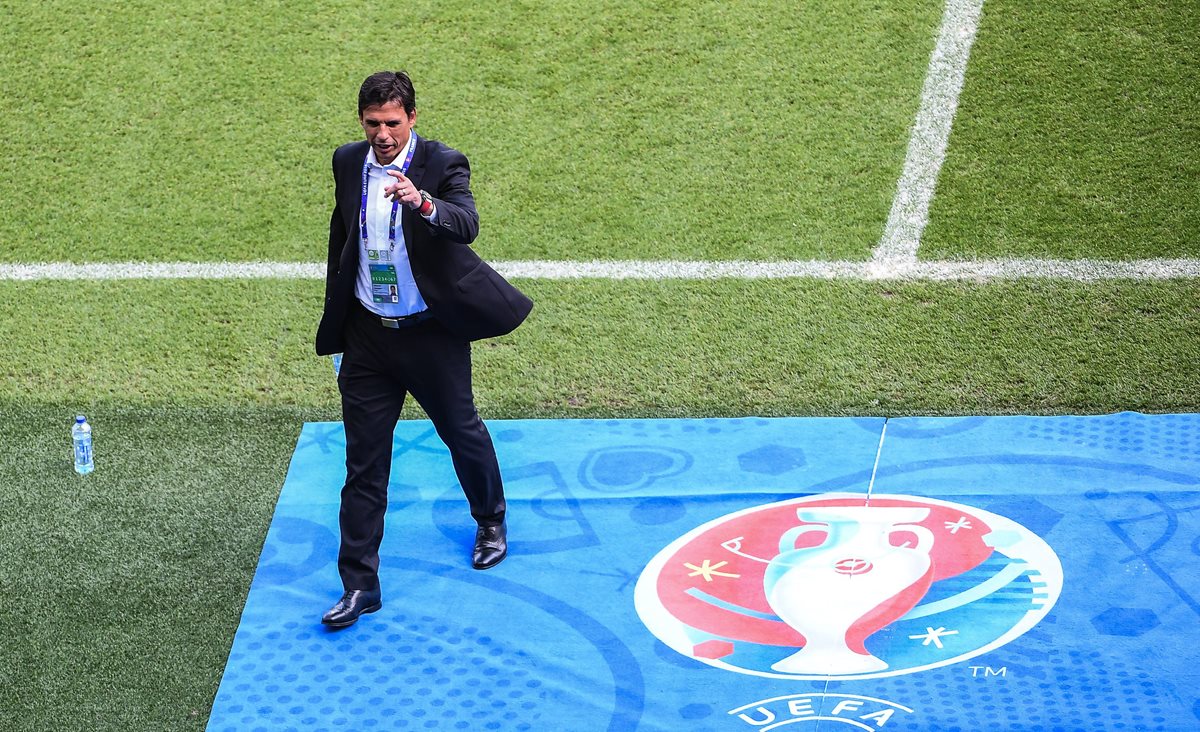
<point x="410" y="673"/>
<point x="1066" y="692"/>
<point x="650" y="428"/>
<point x="1167" y="436"/>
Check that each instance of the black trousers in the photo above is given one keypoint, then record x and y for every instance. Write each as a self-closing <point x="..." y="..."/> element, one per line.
<point x="380" y="367"/>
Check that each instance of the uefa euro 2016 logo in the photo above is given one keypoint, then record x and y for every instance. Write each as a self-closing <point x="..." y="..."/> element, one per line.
<point x="800" y="589"/>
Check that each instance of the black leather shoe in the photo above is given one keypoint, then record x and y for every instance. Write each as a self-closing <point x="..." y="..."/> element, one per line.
<point x="352" y="604"/>
<point x="491" y="546"/>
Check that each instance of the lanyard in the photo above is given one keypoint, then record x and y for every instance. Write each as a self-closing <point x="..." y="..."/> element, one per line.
<point x="362" y="208"/>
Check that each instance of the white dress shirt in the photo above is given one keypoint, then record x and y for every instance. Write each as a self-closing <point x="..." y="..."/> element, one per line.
<point x="379" y="211"/>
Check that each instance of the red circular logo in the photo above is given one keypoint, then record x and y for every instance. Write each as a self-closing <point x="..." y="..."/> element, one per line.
<point x="800" y="588"/>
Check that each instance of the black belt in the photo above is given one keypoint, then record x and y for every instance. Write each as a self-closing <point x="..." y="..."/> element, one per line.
<point x="404" y="321"/>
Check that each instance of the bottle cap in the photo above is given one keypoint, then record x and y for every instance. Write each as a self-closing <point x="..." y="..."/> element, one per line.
<point x="80" y="419"/>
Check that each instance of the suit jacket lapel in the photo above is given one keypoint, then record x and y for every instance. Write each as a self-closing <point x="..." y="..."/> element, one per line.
<point x="351" y="182"/>
<point x="351" y="191"/>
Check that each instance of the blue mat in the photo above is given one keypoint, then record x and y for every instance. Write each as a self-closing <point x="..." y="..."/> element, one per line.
<point x="1003" y="573"/>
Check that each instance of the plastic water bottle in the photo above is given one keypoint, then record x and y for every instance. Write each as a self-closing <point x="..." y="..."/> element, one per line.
<point x="81" y="435"/>
<point x="337" y="363"/>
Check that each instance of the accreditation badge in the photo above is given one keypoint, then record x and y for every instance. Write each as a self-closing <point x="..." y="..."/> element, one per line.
<point x="384" y="283"/>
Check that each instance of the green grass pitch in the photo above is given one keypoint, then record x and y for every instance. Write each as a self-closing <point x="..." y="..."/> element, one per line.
<point x="691" y="130"/>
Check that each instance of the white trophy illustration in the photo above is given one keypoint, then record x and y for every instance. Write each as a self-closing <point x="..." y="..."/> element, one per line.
<point x="824" y="590"/>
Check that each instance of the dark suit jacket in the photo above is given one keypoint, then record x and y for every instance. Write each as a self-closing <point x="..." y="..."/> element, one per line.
<point x="465" y="294"/>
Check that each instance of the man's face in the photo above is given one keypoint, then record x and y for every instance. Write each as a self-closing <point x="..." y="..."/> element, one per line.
<point x="387" y="127"/>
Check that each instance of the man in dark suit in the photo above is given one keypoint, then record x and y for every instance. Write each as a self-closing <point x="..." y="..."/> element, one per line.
<point x="404" y="296"/>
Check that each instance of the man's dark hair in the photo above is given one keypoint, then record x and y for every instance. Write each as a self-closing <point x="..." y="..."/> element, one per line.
<point x="387" y="86"/>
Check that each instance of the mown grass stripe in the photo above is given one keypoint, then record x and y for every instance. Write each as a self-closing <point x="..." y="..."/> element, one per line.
<point x="1079" y="270"/>
<point x="930" y="134"/>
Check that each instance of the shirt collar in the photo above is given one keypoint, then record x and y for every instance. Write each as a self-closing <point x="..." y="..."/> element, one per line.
<point x="371" y="159"/>
<point x="396" y="161"/>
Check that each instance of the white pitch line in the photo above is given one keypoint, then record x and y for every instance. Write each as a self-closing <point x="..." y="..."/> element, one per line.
<point x="163" y="271"/>
<point x="1079" y="270"/>
<point x="683" y="270"/>
<point x="930" y="134"/>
